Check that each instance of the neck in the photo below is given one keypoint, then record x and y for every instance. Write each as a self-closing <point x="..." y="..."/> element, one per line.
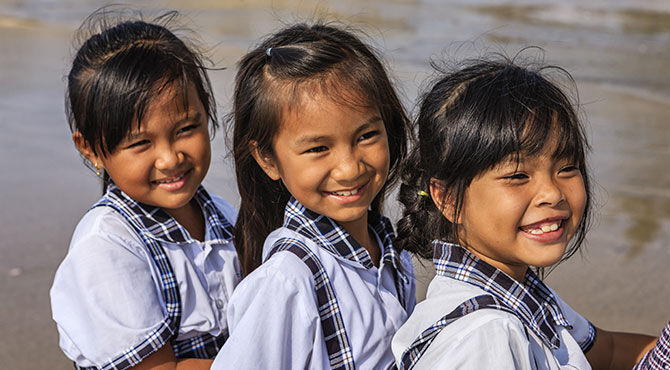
<point x="191" y="218"/>
<point x="359" y="231"/>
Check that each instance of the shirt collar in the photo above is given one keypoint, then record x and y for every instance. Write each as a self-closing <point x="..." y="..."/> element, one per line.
<point x="326" y="233"/>
<point x="161" y="226"/>
<point x="533" y="302"/>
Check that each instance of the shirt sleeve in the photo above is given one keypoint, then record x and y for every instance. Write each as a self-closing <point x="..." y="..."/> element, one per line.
<point x="273" y="320"/>
<point x="104" y="298"/>
<point x="228" y="211"/>
<point x="409" y="282"/>
<point x="480" y="340"/>
<point x="580" y="328"/>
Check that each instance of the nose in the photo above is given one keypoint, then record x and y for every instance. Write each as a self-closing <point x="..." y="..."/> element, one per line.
<point x="549" y="192"/>
<point x="168" y="157"/>
<point x="348" y="167"/>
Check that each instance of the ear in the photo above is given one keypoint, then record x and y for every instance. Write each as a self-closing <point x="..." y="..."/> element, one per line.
<point x="86" y="150"/>
<point x="265" y="161"/>
<point x="442" y="198"/>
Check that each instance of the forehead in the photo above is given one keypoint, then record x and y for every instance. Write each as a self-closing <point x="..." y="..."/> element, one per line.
<point x="312" y="112"/>
<point x="171" y="101"/>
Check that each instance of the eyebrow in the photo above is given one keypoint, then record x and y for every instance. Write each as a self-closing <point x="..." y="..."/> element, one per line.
<point x="304" y="140"/>
<point x="186" y="116"/>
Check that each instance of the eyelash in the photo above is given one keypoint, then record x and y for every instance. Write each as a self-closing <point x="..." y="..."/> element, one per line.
<point x="517" y="176"/>
<point x="569" y="168"/>
<point x="317" y="149"/>
<point x="137" y="144"/>
<point x="188" y="128"/>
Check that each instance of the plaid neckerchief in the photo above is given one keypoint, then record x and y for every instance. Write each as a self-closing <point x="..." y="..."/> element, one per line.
<point x="532" y="302"/>
<point x="412" y="355"/>
<point x="154" y="225"/>
<point x="161" y="226"/>
<point x="326" y="233"/>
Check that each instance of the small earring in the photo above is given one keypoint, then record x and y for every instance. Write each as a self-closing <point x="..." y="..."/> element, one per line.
<point x="97" y="170"/>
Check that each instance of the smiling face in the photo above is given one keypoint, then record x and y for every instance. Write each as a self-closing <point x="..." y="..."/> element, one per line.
<point x="163" y="163"/>
<point x="519" y="215"/>
<point x="332" y="158"/>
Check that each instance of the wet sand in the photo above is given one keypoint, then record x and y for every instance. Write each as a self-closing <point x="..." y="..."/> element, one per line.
<point x="618" y="52"/>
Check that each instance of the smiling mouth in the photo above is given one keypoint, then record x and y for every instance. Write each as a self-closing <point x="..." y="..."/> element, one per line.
<point x="347" y="193"/>
<point x="171" y="180"/>
<point x="543" y="228"/>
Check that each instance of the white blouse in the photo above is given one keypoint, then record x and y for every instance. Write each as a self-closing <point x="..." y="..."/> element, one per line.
<point x="273" y="317"/>
<point x="105" y="297"/>
<point x="487" y="338"/>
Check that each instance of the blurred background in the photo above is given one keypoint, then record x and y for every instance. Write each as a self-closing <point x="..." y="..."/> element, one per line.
<point x="617" y="50"/>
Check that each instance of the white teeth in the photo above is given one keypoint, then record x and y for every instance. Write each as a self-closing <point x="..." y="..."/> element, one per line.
<point x="544" y="229"/>
<point x="169" y="180"/>
<point x="346" y="193"/>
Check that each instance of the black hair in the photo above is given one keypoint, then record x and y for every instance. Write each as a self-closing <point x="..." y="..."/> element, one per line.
<point x="120" y="67"/>
<point x="321" y="59"/>
<point x="473" y="118"/>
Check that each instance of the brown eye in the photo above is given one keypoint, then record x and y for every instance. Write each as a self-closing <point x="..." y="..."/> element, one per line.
<point x="368" y="135"/>
<point x="137" y="144"/>
<point x="316" y="149"/>
<point x="187" y="128"/>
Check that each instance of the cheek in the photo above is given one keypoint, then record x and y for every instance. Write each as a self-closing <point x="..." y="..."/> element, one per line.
<point x="578" y="200"/>
<point x="382" y="159"/>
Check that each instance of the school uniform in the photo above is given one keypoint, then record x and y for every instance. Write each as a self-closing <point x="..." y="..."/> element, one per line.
<point x="134" y="280"/>
<point x="477" y="317"/>
<point x="659" y="356"/>
<point x="318" y="295"/>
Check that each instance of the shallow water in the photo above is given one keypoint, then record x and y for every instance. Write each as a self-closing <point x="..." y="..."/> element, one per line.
<point x="618" y="52"/>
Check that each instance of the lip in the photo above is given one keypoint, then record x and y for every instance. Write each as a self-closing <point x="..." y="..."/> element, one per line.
<point x="173" y="183"/>
<point x="547" y="236"/>
<point x="345" y="199"/>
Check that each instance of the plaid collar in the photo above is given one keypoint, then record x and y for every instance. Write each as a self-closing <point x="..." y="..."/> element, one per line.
<point x="532" y="302"/>
<point x="326" y="233"/>
<point x="161" y="226"/>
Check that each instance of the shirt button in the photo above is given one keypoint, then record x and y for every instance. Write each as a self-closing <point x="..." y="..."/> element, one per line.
<point x="219" y="303"/>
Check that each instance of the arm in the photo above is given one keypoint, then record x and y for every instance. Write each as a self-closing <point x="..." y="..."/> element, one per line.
<point x="659" y="356"/>
<point x="164" y="359"/>
<point x="615" y="350"/>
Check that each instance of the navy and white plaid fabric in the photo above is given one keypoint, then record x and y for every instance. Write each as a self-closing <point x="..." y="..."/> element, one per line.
<point x="154" y="226"/>
<point x="412" y="354"/>
<point x="332" y="324"/>
<point x="659" y="356"/>
<point x="327" y="234"/>
<point x="532" y="302"/>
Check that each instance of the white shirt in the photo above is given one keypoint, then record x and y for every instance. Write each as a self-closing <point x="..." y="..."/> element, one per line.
<point x="273" y="317"/>
<point x="105" y="297"/>
<point x="487" y="338"/>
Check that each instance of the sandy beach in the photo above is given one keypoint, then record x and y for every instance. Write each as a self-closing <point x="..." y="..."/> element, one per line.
<point x="618" y="52"/>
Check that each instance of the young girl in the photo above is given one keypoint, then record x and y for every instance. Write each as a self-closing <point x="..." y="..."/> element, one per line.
<point x="497" y="185"/>
<point x="318" y="134"/>
<point x="151" y="265"/>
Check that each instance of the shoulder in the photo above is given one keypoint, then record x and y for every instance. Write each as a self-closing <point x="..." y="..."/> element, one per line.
<point x="579" y="327"/>
<point x="486" y="338"/>
<point x="282" y="281"/>
<point x="102" y="230"/>
<point x="227" y="209"/>
<point x="461" y="343"/>
<point x="443" y="296"/>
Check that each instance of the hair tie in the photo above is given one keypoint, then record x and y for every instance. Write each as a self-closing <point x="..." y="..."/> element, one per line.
<point x="267" y="51"/>
<point x="422" y="193"/>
